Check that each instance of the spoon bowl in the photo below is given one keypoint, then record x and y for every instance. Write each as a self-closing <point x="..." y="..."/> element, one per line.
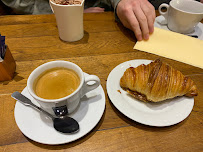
<point x="66" y="125"/>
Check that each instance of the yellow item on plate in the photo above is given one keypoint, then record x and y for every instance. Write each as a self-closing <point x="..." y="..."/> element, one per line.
<point x="174" y="46"/>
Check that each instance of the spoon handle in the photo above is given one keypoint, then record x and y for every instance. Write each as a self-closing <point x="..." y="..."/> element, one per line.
<point x="27" y="102"/>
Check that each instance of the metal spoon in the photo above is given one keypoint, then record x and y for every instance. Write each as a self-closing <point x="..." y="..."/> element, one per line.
<point x="62" y="124"/>
<point x="195" y="36"/>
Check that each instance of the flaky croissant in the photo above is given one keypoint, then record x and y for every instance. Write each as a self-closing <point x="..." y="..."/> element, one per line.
<point x="156" y="82"/>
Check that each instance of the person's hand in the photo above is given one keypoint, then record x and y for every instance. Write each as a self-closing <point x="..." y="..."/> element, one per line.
<point x="138" y="16"/>
<point x="94" y="10"/>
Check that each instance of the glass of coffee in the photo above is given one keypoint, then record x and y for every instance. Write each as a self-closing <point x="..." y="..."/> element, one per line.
<point x="69" y="18"/>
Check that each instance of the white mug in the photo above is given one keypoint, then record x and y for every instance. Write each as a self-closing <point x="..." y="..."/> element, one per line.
<point x="70" y="102"/>
<point x="69" y="20"/>
<point x="182" y="15"/>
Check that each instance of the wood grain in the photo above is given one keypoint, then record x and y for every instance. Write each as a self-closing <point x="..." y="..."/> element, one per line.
<point x="103" y="64"/>
<point x="33" y="40"/>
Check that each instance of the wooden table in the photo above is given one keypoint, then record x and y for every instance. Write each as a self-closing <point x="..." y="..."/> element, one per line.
<point x="33" y="40"/>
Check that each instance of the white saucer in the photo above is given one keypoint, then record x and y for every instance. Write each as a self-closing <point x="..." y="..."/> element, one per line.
<point x="39" y="128"/>
<point x="198" y="29"/>
<point x="161" y="114"/>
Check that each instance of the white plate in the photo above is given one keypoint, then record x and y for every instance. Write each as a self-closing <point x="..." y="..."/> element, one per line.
<point x="39" y="128"/>
<point x="161" y="114"/>
<point x="198" y="29"/>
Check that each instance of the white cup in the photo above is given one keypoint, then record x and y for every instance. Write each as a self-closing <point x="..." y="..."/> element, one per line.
<point x="182" y="15"/>
<point x="70" y="102"/>
<point x="69" y="20"/>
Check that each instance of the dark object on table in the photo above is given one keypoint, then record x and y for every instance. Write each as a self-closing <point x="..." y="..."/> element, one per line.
<point x="7" y="62"/>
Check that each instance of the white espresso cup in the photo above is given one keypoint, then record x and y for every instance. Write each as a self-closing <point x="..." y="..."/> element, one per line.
<point x="182" y="15"/>
<point x="69" y="19"/>
<point x="68" y="104"/>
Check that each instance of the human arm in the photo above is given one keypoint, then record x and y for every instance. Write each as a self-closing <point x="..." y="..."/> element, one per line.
<point x="138" y="16"/>
<point x="94" y="10"/>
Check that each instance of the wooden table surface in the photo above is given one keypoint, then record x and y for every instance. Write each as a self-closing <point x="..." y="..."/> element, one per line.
<point x="33" y="40"/>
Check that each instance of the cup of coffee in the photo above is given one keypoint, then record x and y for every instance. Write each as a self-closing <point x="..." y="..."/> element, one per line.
<point x="69" y="18"/>
<point x="182" y="15"/>
<point x="58" y="86"/>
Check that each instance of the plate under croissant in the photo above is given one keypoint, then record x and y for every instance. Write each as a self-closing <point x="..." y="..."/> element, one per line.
<point x="159" y="114"/>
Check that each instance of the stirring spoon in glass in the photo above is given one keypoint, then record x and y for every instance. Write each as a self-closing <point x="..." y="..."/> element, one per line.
<point x="62" y="124"/>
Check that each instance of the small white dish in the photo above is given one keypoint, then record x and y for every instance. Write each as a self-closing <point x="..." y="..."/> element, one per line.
<point x="39" y="128"/>
<point x="161" y="114"/>
<point x="198" y="29"/>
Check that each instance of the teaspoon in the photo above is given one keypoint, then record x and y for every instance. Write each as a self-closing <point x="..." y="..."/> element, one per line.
<point x="62" y="124"/>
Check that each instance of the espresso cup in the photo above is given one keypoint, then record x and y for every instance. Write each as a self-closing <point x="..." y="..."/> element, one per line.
<point x="182" y="15"/>
<point x="69" y="103"/>
<point x="69" y="19"/>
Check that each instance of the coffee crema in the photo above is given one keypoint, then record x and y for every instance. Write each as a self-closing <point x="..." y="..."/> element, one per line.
<point x="56" y="83"/>
<point x="67" y="2"/>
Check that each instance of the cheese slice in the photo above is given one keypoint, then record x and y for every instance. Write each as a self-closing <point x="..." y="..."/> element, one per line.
<point x="174" y="46"/>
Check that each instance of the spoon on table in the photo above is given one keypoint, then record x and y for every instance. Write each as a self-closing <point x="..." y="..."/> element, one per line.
<point x="62" y="124"/>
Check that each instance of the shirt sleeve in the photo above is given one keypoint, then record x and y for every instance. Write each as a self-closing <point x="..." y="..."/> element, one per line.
<point x="29" y="6"/>
<point x="114" y="3"/>
<point x="9" y="3"/>
<point x="20" y="6"/>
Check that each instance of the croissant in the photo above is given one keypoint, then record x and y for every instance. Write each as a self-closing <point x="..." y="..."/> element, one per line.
<point x="156" y="82"/>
